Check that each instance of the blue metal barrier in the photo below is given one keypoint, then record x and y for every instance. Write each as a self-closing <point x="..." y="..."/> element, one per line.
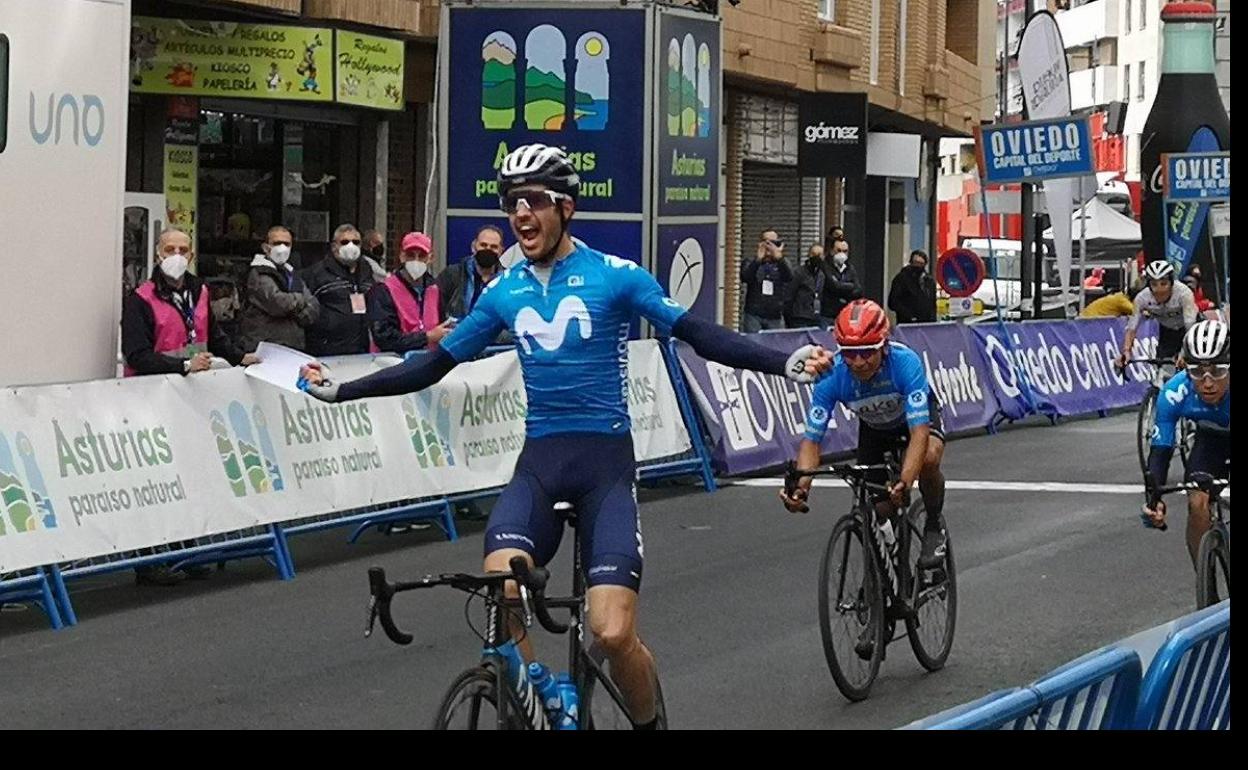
<point x="697" y="459"/>
<point x="1001" y="710"/>
<point x="1188" y="686"/>
<point x="34" y="586"/>
<point x="1096" y="692"/>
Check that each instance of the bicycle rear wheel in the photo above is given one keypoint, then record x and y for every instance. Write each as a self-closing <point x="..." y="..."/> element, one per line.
<point x="1144" y="427"/>
<point x="933" y="596"/>
<point x="471" y="703"/>
<point x="851" y="610"/>
<point x="600" y="709"/>
<point x="1213" y="568"/>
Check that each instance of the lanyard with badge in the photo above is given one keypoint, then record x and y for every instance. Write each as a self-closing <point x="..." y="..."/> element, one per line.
<point x="186" y="308"/>
<point x="358" y="305"/>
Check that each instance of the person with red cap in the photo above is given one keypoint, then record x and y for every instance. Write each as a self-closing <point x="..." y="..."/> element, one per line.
<point x="405" y="312"/>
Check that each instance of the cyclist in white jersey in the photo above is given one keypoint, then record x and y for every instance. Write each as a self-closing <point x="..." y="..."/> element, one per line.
<point x="1168" y="301"/>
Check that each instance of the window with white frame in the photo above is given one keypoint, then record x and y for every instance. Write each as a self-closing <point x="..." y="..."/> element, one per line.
<point x="827" y="10"/>
<point x="1127" y="4"/>
<point x="1139" y="96"/>
<point x="1143" y="14"/>
<point x="1126" y="82"/>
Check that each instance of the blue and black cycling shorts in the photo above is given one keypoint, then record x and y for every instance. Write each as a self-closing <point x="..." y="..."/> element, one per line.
<point x="1211" y="454"/>
<point x="596" y="473"/>
<point x="874" y="444"/>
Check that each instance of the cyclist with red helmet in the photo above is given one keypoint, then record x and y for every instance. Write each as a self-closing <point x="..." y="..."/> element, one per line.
<point x="885" y="384"/>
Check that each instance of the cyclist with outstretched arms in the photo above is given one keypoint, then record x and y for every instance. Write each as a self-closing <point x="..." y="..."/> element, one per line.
<point x="1169" y="301"/>
<point x="570" y="308"/>
<point x="1200" y="393"/>
<point x="885" y="384"/>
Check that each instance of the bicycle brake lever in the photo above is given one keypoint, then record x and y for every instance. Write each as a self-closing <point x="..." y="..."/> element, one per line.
<point x="372" y="616"/>
<point x="526" y="606"/>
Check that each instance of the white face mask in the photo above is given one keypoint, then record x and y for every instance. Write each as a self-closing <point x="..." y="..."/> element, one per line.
<point x="415" y="268"/>
<point x="840" y="258"/>
<point x="174" y="266"/>
<point x="349" y="253"/>
<point x="279" y="254"/>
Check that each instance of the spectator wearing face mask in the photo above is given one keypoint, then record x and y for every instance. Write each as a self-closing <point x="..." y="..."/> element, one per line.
<point x="373" y="253"/>
<point x="405" y="312"/>
<point x="840" y="285"/>
<point x="461" y="284"/>
<point x="912" y="295"/>
<point x="340" y="283"/>
<point x="166" y="323"/>
<point x="279" y="306"/>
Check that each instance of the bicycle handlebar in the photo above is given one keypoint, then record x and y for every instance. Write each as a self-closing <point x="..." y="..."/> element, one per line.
<point x="854" y="474"/>
<point x="1201" y="482"/>
<point x="532" y="580"/>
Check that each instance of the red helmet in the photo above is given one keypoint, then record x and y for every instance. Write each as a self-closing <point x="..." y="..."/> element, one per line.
<point x="861" y="324"/>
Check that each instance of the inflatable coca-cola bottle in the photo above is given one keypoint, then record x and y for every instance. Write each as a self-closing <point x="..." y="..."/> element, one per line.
<point x="1187" y="101"/>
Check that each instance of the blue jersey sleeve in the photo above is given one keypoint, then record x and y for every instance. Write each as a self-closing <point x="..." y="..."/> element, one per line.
<point x="647" y="298"/>
<point x="826" y="396"/>
<point x="1170" y="410"/>
<point x="911" y="379"/>
<point x="478" y="329"/>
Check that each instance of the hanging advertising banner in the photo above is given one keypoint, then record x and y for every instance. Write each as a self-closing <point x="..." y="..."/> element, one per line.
<point x="225" y="58"/>
<point x="685" y="264"/>
<point x="569" y="78"/>
<point x="1045" y="76"/>
<point x="688" y="84"/>
<point x="181" y="174"/>
<point x="369" y="70"/>
<point x="832" y="129"/>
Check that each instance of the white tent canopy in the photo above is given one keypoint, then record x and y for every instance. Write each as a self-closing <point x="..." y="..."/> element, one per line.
<point x="1103" y="223"/>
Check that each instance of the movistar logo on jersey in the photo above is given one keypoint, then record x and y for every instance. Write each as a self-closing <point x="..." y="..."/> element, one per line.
<point x="24" y="501"/>
<point x="428" y="422"/>
<point x="246" y="449"/>
<point x="531" y="327"/>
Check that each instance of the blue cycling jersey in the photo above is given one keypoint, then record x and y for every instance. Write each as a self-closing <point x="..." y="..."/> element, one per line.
<point x="896" y="396"/>
<point x="571" y="336"/>
<point x="1179" y="400"/>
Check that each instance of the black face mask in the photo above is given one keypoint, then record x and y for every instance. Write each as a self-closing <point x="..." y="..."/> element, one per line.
<point x="379" y="251"/>
<point x="918" y="268"/>
<point x="486" y="259"/>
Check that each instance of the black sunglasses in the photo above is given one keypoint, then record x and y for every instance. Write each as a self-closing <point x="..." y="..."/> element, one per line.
<point x="777" y="243"/>
<point x="345" y="241"/>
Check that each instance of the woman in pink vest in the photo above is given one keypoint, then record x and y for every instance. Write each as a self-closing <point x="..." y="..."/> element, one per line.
<point x="166" y="323"/>
<point x="405" y="312"/>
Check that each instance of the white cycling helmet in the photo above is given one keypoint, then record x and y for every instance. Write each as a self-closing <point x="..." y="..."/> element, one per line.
<point x="1158" y="270"/>
<point x="1208" y="342"/>
<point x="538" y="164"/>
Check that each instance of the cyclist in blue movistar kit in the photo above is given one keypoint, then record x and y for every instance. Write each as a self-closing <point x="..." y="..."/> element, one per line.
<point x="1200" y="393"/>
<point x="570" y="308"/>
<point x="885" y="384"/>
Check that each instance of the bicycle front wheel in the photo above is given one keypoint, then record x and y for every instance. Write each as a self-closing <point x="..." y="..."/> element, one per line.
<point x="602" y="705"/>
<point x="851" y="610"/>
<point x="471" y="703"/>
<point x="1213" y="568"/>
<point x="933" y="596"/>
<point x="1144" y="427"/>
